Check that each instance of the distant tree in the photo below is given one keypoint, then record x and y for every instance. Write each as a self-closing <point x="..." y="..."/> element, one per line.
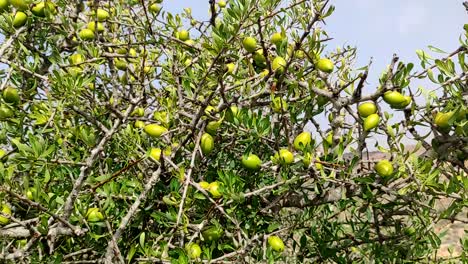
<point x="130" y="134"/>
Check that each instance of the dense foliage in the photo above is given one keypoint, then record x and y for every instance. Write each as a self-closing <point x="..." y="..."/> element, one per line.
<point x="130" y="134"/>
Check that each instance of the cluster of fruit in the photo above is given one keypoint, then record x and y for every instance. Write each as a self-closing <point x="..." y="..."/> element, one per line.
<point x="20" y="18"/>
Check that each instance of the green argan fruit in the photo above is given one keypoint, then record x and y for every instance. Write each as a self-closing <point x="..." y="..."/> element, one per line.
<point x="249" y="44"/>
<point x="384" y="168"/>
<point x="19" y="19"/>
<point x="302" y="140"/>
<point x="325" y="65"/>
<point x="371" y="122"/>
<point x="367" y="109"/>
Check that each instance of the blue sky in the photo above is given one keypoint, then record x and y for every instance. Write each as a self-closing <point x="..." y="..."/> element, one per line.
<point x="380" y="28"/>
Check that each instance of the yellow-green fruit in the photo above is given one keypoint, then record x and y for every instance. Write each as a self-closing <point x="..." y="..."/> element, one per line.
<point x="120" y="64"/>
<point x="212" y="234"/>
<point x="31" y="193"/>
<point x="442" y="119"/>
<point x="138" y="112"/>
<point x="210" y="110"/>
<point x="183" y="35"/>
<point x="212" y="127"/>
<point x="284" y="156"/>
<point x="6" y="210"/>
<point x="40" y="8"/>
<point x="102" y="15"/>
<point x="230" y="67"/>
<point x="76" y="59"/>
<point x="2" y="153"/>
<point x="278" y="64"/>
<point x="155" y="153"/>
<point x="264" y="73"/>
<point x="155" y="8"/>
<point x="276" y="38"/>
<point x="10" y="95"/>
<point x="302" y="140"/>
<point x="279" y="105"/>
<point x="193" y="250"/>
<point x="5" y="112"/>
<point x="222" y="4"/>
<point x="393" y="98"/>
<point x="307" y="159"/>
<point x="213" y="188"/>
<point x="139" y="124"/>
<point x="249" y="44"/>
<point x="259" y="58"/>
<point x="325" y="65"/>
<point x="276" y="243"/>
<point x="20" y="4"/>
<point x="206" y="143"/>
<point x="94" y="215"/>
<point x="204" y="185"/>
<point x="367" y="109"/>
<point x="20" y="19"/>
<point x="403" y="104"/>
<point x="371" y="122"/>
<point x="251" y="162"/>
<point x="92" y="26"/>
<point x="155" y="130"/>
<point x="3" y="4"/>
<point x="86" y="34"/>
<point x="384" y="168"/>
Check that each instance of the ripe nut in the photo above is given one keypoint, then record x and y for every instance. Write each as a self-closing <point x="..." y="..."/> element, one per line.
<point x="302" y="141"/>
<point x="230" y="67"/>
<point x="212" y="233"/>
<point x="249" y="44"/>
<point x="10" y="95"/>
<point x="155" y="153"/>
<point x="94" y="215"/>
<point x="371" y="122"/>
<point x="86" y="34"/>
<point x="155" y="8"/>
<point x="278" y="64"/>
<point x="276" y="38"/>
<point x="284" y="156"/>
<point x="384" y="168"/>
<point x="183" y="35"/>
<point x="442" y="119"/>
<point x="206" y="143"/>
<point x="5" y="112"/>
<point x="394" y="98"/>
<point x="210" y="110"/>
<point x="213" y="188"/>
<point x="251" y="162"/>
<point x="367" y="109"/>
<point x="155" y="130"/>
<point x="102" y="15"/>
<point x="276" y="243"/>
<point x="76" y="59"/>
<point x="19" y="19"/>
<point x="6" y="210"/>
<point x="279" y="105"/>
<point x="193" y="250"/>
<point x="92" y="26"/>
<point x="325" y="65"/>
<point x="139" y="124"/>
<point x="204" y="185"/>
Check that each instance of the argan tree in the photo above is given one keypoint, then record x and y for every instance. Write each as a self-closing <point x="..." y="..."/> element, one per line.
<point x="130" y="134"/>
